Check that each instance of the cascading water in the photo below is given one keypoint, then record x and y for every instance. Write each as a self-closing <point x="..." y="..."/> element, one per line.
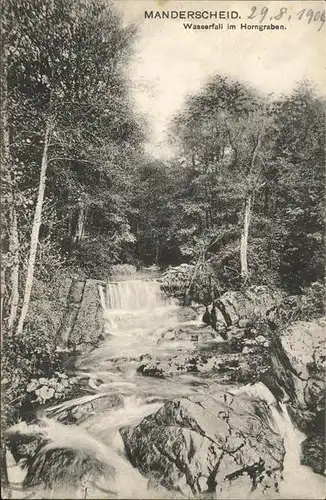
<point x="134" y="304"/>
<point x="136" y="312"/>
<point x="299" y="481"/>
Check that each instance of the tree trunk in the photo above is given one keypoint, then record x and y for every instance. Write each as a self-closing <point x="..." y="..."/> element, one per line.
<point x="14" y="278"/>
<point x="80" y="230"/>
<point x="194" y="274"/>
<point x="35" y="231"/>
<point x="157" y="252"/>
<point x="8" y="195"/>
<point x="5" y="486"/>
<point x="247" y="213"/>
<point x="244" y="239"/>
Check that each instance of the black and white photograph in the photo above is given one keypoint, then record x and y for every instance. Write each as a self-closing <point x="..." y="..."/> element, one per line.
<point x="163" y="249"/>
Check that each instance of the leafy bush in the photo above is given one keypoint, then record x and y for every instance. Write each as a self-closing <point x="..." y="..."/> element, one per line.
<point x="26" y="357"/>
<point x="33" y="353"/>
<point x="305" y="307"/>
<point x="93" y="258"/>
<point x="50" y="261"/>
<point x="313" y="300"/>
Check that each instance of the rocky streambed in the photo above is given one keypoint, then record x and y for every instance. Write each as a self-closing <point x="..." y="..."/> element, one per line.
<point x="181" y="409"/>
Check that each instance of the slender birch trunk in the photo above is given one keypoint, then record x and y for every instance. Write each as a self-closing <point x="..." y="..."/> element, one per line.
<point x="35" y="231"/>
<point x="244" y="239"/>
<point x="14" y="278"/>
<point x="81" y="222"/>
<point x="247" y="214"/>
<point x="200" y="258"/>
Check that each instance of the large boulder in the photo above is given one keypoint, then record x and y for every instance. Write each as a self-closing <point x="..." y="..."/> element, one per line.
<point x="240" y="308"/>
<point x="304" y="344"/>
<point x="56" y="458"/>
<point x="82" y="326"/>
<point x="202" y="444"/>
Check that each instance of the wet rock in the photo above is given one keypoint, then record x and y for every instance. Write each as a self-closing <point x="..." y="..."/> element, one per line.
<point x="244" y="323"/>
<point x="206" y="334"/>
<point x="46" y="468"/>
<point x="82" y="325"/>
<point x="309" y="422"/>
<point x="304" y="344"/>
<point x="23" y="446"/>
<point x="145" y="357"/>
<point x="313" y="453"/>
<point x="169" y="366"/>
<point x="314" y="394"/>
<point x="199" y="309"/>
<point x="202" y="445"/>
<point x="236" y="334"/>
<point x="189" y="333"/>
<point x="54" y="458"/>
<point x="79" y="410"/>
<point x="241" y="308"/>
<point x="223" y="361"/>
<point x="280" y="376"/>
<point x="179" y="334"/>
<point x="213" y="359"/>
<point x="297" y="374"/>
<point x="185" y="314"/>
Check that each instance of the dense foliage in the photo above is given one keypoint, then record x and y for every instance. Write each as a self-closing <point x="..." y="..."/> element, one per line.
<point x="235" y="147"/>
<point x="286" y="182"/>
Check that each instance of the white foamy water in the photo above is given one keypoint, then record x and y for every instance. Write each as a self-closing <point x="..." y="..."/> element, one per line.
<point x="136" y="313"/>
<point x="299" y="482"/>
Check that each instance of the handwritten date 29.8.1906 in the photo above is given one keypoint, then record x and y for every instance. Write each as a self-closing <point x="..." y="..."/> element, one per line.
<point x="310" y="16"/>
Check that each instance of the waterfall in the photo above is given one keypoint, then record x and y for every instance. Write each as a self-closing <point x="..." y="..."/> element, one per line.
<point x="133" y="302"/>
<point x="133" y="295"/>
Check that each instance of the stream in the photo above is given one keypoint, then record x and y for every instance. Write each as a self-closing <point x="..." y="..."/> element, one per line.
<point x="136" y="313"/>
